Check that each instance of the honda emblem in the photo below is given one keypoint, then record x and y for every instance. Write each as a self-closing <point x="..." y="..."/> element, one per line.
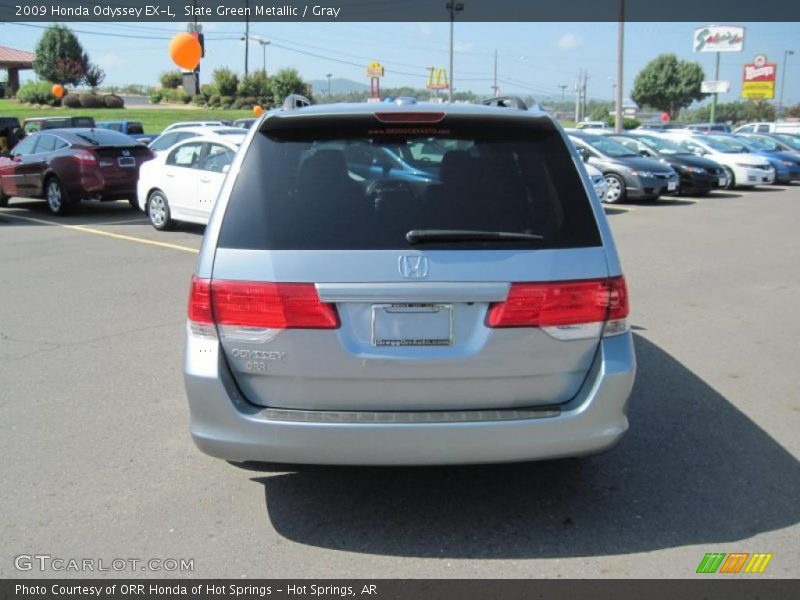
<point x="413" y="266"/>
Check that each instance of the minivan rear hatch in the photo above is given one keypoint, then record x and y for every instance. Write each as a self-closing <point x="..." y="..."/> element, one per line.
<point x="416" y="261"/>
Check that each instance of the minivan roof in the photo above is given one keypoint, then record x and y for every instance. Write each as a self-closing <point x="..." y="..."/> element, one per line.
<point x="368" y="108"/>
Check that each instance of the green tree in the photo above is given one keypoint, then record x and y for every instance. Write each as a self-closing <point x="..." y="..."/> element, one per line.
<point x="286" y="82"/>
<point x="171" y="80"/>
<point x="254" y="85"/>
<point x="601" y="113"/>
<point x="60" y="58"/>
<point x="226" y="81"/>
<point x="668" y="84"/>
<point x="94" y="77"/>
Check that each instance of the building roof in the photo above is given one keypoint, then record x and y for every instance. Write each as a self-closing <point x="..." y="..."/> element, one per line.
<point x="11" y="57"/>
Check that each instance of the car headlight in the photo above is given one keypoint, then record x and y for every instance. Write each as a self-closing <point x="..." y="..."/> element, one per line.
<point x="788" y="163"/>
<point x="747" y="165"/>
<point x="691" y="169"/>
<point x="642" y="173"/>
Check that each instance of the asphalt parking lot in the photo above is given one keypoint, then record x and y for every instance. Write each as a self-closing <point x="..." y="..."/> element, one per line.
<point x="97" y="460"/>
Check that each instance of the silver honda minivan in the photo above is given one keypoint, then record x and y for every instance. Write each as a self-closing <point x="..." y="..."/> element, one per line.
<point x="461" y="304"/>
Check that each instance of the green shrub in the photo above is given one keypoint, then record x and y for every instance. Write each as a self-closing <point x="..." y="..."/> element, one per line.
<point x="171" y="79"/>
<point x="226" y="100"/>
<point x="34" y="92"/>
<point x="92" y="101"/>
<point x="225" y="106"/>
<point x="226" y="81"/>
<point x="630" y="123"/>
<point x="254" y="85"/>
<point x="213" y="100"/>
<point x="208" y="90"/>
<point x="72" y="101"/>
<point x="155" y="97"/>
<point x="113" y="101"/>
<point x="199" y="100"/>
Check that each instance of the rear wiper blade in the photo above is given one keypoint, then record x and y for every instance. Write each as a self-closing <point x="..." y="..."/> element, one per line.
<point x="420" y="236"/>
<point x="92" y="141"/>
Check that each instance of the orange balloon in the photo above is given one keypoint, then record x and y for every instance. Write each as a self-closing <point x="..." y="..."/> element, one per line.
<point x="185" y="51"/>
<point x="58" y="90"/>
<point x="258" y="110"/>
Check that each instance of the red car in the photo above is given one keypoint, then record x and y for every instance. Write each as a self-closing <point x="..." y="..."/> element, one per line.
<point x="65" y="166"/>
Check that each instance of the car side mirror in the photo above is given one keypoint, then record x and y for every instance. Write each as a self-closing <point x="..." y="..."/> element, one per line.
<point x="584" y="154"/>
<point x="644" y="153"/>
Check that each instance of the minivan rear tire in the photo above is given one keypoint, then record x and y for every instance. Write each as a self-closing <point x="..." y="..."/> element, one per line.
<point x="158" y="211"/>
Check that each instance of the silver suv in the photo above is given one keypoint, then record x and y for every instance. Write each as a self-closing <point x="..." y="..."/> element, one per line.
<point x="461" y="304"/>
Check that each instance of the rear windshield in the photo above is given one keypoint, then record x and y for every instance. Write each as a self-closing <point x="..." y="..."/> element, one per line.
<point x="103" y="137"/>
<point x="358" y="184"/>
<point x="135" y="128"/>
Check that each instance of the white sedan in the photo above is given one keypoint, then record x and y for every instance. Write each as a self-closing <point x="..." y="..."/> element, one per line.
<point x="172" y="135"/>
<point x="183" y="183"/>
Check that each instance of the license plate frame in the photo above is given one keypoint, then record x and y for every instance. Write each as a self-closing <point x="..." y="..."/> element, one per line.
<point x="387" y="319"/>
<point x="723" y="181"/>
<point x="672" y="186"/>
<point x="126" y="162"/>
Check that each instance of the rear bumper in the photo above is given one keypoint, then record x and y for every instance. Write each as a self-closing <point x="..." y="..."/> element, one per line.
<point x="224" y="425"/>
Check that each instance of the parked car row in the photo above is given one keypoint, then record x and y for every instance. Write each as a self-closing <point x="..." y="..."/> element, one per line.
<point x="646" y="163"/>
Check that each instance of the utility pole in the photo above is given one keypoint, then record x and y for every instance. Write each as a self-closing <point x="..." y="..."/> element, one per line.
<point x="578" y="96"/>
<point x="453" y="7"/>
<point x="246" y="36"/>
<point x="494" y="87"/>
<point x="563" y="87"/>
<point x="329" y="75"/>
<point x="714" y="96"/>
<point x="620" y="54"/>
<point x="786" y="55"/>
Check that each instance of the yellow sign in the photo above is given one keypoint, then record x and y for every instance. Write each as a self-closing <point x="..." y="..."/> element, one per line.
<point x="437" y="79"/>
<point x="758" y="90"/>
<point x="375" y="69"/>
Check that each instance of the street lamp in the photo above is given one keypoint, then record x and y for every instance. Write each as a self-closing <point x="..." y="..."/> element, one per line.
<point x="453" y="8"/>
<point x="264" y="43"/>
<point x="786" y="55"/>
<point x="329" y="75"/>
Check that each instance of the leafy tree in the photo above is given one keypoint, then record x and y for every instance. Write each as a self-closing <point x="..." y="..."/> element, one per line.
<point x="736" y="112"/>
<point x="793" y="111"/>
<point x="601" y="113"/>
<point x="285" y="82"/>
<point x="60" y="58"/>
<point x="254" y="85"/>
<point x="94" y="76"/>
<point x="226" y="81"/>
<point x="171" y="80"/>
<point x="668" y="84"/>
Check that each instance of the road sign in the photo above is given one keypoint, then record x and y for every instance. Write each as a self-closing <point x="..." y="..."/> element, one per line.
<point x="758" y="81"/>
<point x="374" y="69"/>
<point x="715" y="87"/>
<point x="719" y="38"/>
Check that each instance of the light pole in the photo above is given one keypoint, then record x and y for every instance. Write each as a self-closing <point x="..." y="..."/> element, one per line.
<point x="329" y="75"/>
<point x="620" y="54"/>
<point x="453" y="8"/>
<point x="563" y="86"/>
<point x="264" y="43"/>
<point x="786" y="55"/>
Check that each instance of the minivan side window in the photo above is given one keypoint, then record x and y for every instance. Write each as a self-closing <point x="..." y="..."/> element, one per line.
<point x="187" y="155"/>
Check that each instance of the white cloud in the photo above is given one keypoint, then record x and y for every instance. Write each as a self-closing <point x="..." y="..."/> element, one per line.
<point x="569" y="41"/>
<point x="110" y="60"/>
<point x="462" y="46"/>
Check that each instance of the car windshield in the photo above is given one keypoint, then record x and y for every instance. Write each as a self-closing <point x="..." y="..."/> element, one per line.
<point x="607" y="146"/>
<point x="756" y="143"/>
<point x="661" y="145"/>
<point x="724" y="144"/>
<point x="103" y="137"/>
<point x="793" y="141"/>
<point x="352" y="184"/>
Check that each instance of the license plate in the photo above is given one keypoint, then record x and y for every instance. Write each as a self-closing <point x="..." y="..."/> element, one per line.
<point x="672" y="186"/>
<point x="412" y="325"/>
<point x="723" y="181"/>
<point x="126" y="161"/>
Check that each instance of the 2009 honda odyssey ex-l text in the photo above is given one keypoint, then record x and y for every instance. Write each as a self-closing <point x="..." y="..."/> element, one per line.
<point x="473" y="313"/>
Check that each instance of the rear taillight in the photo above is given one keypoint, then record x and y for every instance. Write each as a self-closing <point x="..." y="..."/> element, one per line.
<point x="565" y="309"/>
<point x="255" y="304"/>
<point x="86" y="158"/>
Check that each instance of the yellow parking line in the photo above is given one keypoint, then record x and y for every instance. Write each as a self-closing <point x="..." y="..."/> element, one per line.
<point x="119" y="236"/>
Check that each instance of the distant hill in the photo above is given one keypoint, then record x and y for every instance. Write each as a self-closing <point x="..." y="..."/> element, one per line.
<point x="338" y="86"/>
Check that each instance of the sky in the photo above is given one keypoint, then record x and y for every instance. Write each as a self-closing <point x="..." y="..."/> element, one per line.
<point x="534" y="58"/>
